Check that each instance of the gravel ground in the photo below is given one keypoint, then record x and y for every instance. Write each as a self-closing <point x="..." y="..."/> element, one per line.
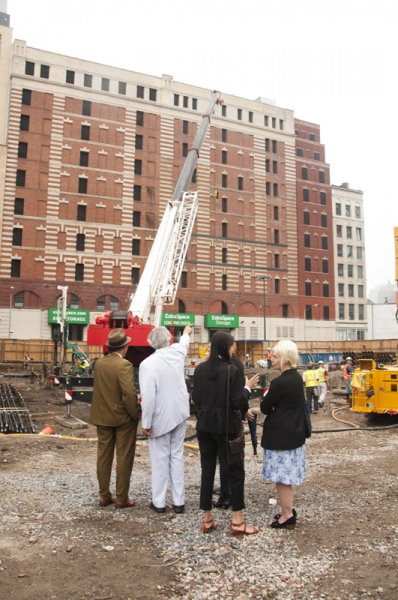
<point x="56" y="543"/>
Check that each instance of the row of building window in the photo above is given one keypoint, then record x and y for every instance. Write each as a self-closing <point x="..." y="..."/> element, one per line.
<point x="349" y="251"/>
<point x="348" y="210"/>
<point x="306" y="196"/>
<point x="350" y="270"/>
<point x="350" y="290"/>
<point x="304" y="175"/>
<point x="308" y="289"/>
<point x="299" y="152"/>
<point x="185" y="100"/>
<point x="271" y="145"/>
<point x="308" y="264"/>
<point x="351" y="312"/>
<point x="308" y="312"/>
<point x="311" y="136"/>
<point x="307" y="218"/>
<point x="274" y="187"/>
<point x="349" y="232"/>
<point x="224" y="181"/>
<point x="324" y="241"/>
<point x="350" y="334"/>
<point x="88" y="81"/>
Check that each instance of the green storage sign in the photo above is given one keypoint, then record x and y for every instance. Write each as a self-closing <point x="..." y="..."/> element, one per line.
<point x="222" y="321"/>
<point x="74" y="316"/>
<point x="177" y="319"/>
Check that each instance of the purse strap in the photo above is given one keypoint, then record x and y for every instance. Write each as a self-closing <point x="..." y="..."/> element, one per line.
<point x="229" y="371"/>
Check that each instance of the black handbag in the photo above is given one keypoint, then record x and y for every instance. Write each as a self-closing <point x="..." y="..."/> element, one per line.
<point x="235" y="449"/>
<point x="307" y="418"/>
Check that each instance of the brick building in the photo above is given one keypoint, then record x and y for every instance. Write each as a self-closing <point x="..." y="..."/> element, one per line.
<point x="315" y="229"/>
<point x="93" y="154"/>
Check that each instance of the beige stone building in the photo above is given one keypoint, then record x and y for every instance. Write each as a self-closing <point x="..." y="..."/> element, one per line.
<point x="349" y="263"/>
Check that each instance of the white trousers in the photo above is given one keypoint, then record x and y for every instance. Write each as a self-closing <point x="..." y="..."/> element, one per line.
<point x="166" y="453"/>
<point x="322" y="389"/>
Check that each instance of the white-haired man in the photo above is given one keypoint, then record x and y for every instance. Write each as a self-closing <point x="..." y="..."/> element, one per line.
<point x="165" y="409"/>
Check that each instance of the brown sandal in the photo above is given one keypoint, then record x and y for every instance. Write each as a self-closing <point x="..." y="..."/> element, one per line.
<point x="209" y="525"/>
<point x="243" y="531"/>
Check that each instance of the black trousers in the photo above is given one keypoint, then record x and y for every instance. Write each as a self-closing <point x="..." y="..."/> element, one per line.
<point x="312" y="392"/>
<point x="211" y="445"/>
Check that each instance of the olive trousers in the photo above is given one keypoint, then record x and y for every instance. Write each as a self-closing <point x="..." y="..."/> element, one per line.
<point x="122" y="438"/>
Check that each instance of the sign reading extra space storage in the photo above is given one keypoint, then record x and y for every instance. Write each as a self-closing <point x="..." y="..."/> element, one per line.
<point x="177" y="319"/>
<point x="222" y="321"/>
<point x="74" y="316"/>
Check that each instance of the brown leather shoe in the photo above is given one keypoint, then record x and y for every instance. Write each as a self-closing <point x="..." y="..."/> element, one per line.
<point x="126" y="504"/>
<point x="102" y="502"/>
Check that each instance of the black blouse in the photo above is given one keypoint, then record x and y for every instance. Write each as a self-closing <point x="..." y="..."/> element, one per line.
<point x="283" y="404"/>
<point x="210" y="396"/>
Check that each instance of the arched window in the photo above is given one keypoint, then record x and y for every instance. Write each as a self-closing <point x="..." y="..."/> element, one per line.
<point x="113" y="303"/>
<point x="19" y="300"/>
<point x="74" y="301"/>
<point x="101" y="303"/>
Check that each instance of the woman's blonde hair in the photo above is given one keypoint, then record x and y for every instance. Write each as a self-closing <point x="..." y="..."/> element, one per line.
<point x="288" y="353"/>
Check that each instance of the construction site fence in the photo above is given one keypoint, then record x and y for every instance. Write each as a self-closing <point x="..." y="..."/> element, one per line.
<point x="43" y="350"/>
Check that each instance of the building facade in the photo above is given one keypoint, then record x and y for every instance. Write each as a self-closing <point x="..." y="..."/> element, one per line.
<point x="92" y="156"/>
<point x="349" y="263"/>
<point x="315" y="229"/>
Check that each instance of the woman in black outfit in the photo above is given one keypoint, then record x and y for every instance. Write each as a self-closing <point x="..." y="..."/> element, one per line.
<point x="210" y="396"/>
<point x="283" y="437"/>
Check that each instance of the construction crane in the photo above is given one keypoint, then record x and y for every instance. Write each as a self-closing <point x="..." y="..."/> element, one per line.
<point x="159" y="281"/>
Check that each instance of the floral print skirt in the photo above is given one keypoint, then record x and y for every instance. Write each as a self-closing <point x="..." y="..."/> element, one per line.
<point x="285" y="466"/>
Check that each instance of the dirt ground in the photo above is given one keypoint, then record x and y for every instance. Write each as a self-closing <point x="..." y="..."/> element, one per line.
<point x="68" y="548"/>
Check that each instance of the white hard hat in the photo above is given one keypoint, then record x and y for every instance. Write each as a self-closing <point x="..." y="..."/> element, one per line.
<point x="348" y="358"/>
<point x="320" y="361"/>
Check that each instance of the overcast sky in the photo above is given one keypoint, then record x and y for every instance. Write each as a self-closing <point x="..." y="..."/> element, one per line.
<point x="334" y="62"/>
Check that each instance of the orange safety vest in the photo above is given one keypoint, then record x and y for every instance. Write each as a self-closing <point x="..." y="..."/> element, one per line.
<point x="346" y="374"/>
<point x="310" y="378"/>
<point x="321" y="375"/>
<point x="269" y="356"/>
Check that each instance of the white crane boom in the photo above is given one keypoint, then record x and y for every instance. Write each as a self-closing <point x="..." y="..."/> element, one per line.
<point x="162" y="272"/>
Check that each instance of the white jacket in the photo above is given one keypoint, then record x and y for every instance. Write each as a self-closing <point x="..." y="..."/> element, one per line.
<point x="164" y="395"/>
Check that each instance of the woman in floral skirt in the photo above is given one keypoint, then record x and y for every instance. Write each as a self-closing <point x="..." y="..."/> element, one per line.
<point x="283" y="436"/>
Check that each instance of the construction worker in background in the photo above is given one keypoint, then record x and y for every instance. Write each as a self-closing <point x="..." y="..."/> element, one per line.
<point x="269" y="358"/>
<point x="348" y="371"/>
<point x="323" y="382"/>
<point x="310" y="379"/>
<point x="247" y="362"/>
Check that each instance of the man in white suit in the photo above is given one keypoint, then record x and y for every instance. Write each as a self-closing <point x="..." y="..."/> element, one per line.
<point x="165" y="409"/>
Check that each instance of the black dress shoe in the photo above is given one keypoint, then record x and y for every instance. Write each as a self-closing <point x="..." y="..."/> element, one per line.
<point x="277" y="517"/>
<point x="179" y="509"/>
<point x="288" y="524"/>
<point x="222" y="502"/>
<point x="157" y="509"/>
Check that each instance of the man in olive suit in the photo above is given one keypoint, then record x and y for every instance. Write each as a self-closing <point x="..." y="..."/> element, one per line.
<point x="116" y="412"/>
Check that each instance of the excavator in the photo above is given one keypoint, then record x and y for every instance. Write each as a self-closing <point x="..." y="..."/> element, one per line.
<point x="375" y="386"/>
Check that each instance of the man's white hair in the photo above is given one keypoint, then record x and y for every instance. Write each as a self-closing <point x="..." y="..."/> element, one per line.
<point x="288" y="353"/>
<point x="159" y="338"/>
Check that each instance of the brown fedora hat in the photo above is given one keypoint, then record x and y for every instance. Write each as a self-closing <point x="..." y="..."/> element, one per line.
<point x="117" y="339"/>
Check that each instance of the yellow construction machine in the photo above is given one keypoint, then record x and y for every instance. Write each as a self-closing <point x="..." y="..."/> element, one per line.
<point x="375" y="386"/>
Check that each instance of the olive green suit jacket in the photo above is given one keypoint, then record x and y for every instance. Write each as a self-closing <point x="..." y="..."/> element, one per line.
<point x="114" y="397"/>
